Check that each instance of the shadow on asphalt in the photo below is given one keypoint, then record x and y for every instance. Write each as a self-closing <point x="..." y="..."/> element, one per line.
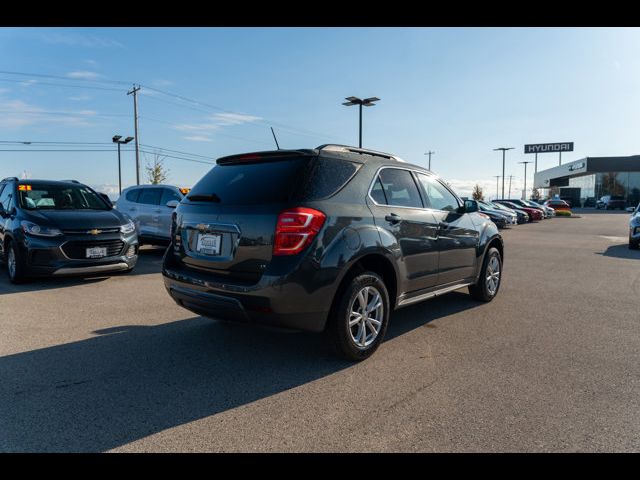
<point x="620" y="251"/>
<point x="129" y="382"/>
<point x="149" y="261"/>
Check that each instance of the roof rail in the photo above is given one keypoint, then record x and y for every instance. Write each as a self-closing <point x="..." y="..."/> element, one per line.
<point x="333" y="147"/>
<point x="72" y="181"/>
<point x="11" y="178"/>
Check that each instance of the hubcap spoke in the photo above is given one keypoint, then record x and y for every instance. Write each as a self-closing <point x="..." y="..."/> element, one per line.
<point x="365" y="316"/>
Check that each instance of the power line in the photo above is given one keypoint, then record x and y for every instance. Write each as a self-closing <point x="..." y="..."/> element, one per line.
<point x="61" y="85"/>
<point x="79" y="113"/>
<point x="28" y="142"/>
<point x="42" y="75"/>
<point x="173" y="156"/>
<point x="62" y="150"/>
<point x="174" y="151"/>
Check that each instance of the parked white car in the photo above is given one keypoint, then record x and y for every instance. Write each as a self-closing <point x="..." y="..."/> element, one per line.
<point x="150" y="207"/>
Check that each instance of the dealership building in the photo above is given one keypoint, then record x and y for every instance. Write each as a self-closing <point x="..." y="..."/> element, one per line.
<point x="586" y="180"/>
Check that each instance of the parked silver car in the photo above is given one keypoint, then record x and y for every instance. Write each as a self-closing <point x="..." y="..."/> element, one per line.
<point x="150" y="207"/>
<point x="634" y="229"/>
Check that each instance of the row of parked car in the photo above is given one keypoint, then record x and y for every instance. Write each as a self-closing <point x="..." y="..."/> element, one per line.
<point x="505" y="212"/>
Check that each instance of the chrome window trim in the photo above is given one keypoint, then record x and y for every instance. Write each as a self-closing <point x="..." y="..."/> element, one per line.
<point x="414" y="171"/>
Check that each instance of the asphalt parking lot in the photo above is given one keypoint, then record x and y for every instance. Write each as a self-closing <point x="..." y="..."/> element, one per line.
<point x="552" y="364"/>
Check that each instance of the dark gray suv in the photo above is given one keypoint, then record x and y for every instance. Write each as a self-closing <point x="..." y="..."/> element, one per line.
<point x="332" y="238"/>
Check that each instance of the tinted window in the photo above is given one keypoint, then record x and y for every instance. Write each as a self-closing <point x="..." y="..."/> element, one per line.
<point x="437" y="195"/>
<point x="324" y="177"/>
<point x="60" y="197"/>
<point x="132" y="195"/>
<point x="377" y="192"/>
<point x="271" y="181"/>
<point x="399" y="188"/>
<point x="4" y="197"/>
<point x="168" y="195"/>
<point x="150" y="196"/>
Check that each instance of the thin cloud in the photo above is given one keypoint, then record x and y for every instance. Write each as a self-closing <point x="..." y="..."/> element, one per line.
<point x="77" y="40"/>
<point x="84" y="75"/>
<point x="18" y="114"/>
<point x="217" y="121"/>
<point x="79" y="98"/>
<point x="162" y="83"/>
<point x="198" y="138"/>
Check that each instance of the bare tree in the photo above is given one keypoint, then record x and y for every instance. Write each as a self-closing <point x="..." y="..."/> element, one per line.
<point x="477" y="193"/>
<point x="156" y="171"/>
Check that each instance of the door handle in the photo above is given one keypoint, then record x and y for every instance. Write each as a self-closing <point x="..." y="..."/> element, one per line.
<point x="393" y="218"/>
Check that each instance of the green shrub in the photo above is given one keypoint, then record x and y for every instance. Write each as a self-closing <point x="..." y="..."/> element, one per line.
<point x="563" y="213"/>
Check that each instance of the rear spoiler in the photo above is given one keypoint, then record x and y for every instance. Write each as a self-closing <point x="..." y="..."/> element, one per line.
<point x="271" y="155"/>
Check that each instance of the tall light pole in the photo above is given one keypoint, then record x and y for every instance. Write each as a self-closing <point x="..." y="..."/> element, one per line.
<point x="429" y="153"/>
<point x="510" y="177"/>
<point x="116" y="139"/>
<point x="497" y="178"/>
<point x="134" y="91"/>
<point x="504" y="149"/>
<point x="525" y="179"/>
<point x="367" y="102"/>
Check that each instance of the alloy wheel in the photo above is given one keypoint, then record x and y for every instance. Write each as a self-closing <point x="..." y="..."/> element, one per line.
<point x="493" y="275"/>
<point x="366" y="314"/>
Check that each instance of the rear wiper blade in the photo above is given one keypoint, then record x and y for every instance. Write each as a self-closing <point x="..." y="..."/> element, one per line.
<point x="210" y="197"/>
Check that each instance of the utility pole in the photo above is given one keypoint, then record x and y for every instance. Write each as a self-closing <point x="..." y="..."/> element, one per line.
<point x="504" y="149"/>
<point x="559" y="158"/>
<point x="510" y="177"/>
<point x="524" y="192"/>
<point x="497" y="178"/>
<point x="134" y="91"/>
<point x="429" y="153"/>
<point x="536" y="165"/>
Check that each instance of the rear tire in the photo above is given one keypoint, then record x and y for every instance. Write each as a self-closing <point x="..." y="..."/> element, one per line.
<point x="16" y="267"/>
<point x="360" y="317"/>
<point x="490" y="279"/>
<point x="634" y="244"/>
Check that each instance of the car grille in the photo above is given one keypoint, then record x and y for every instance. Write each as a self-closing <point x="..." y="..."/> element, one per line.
<point x="84" y="231"/>
<point x="78" y="250"/>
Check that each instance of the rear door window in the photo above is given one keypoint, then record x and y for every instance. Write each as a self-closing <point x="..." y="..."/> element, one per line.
<point x="400" y="188"/>
<point x="150" y="196"/>
<point x="168" y="195"/>
<point x="132" y="195"/>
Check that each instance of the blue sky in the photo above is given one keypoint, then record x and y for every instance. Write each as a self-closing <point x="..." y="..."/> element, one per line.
<point x="458" y="91"/>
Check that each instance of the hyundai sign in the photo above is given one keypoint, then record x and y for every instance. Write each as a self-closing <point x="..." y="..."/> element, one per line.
<point x="549" y="147"/>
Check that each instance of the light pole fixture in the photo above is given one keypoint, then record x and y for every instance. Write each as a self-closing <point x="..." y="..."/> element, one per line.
<point x="525" y="179"/>
<point x="429" y="153"/>
<point x="367" y="102"/>
<point x="116" y="139"/>
<point x="504" y="149"/>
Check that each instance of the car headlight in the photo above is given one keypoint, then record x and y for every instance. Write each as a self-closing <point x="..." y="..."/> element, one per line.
<point x="39" y="231"/>
<point x="128" y="227"/>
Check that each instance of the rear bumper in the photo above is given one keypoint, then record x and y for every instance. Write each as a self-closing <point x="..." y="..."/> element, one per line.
<point x="275" y="300"/>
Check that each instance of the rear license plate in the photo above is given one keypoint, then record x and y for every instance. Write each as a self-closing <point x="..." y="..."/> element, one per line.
<point x="96" y="252"/>
<point x="208" y="244"/>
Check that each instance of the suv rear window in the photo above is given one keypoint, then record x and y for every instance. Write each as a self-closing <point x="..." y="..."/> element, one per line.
<point x="275" y="181"/>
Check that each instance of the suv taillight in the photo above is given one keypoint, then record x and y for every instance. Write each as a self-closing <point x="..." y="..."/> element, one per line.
<point x="296" y="228"/>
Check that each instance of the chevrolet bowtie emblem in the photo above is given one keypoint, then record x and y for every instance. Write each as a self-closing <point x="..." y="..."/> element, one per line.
<point x="95" y="231"/>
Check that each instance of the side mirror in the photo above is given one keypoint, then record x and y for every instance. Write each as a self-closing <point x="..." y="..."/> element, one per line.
<point x="3" y="212"/>
<point x="172" y="203"/>
<point x="470" y="206"/>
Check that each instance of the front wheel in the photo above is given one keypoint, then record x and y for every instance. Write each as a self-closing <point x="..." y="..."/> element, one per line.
<point x="15" y="264"/>
<point x="360" y="318"/>
<point x="488" y="284"/>
<point x="634" y="244"/>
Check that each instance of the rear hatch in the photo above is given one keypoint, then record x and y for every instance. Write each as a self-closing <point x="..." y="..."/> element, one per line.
<point x="228" y="220"/>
